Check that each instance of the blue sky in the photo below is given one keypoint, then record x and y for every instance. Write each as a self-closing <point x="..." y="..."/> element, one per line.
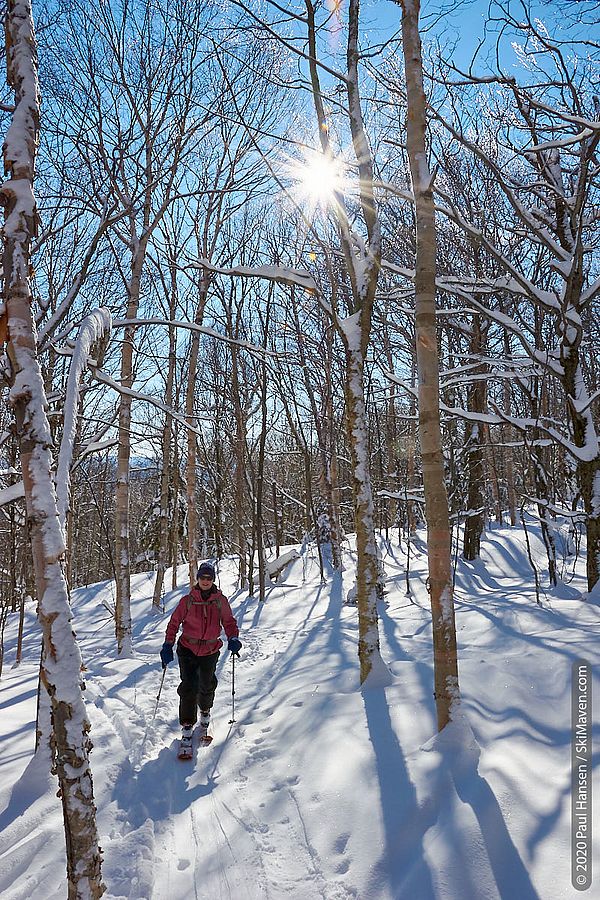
<point x="461" y="23"/>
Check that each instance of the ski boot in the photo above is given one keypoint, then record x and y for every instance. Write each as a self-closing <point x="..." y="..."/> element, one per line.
<point x="205" y="737"/>
<point x="185" y="745"/>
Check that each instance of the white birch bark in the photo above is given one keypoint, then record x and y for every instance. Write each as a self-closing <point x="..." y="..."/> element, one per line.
<point x="93" y="331"/>
<point x="363" y="260"/>
<point x="61" y="669"/>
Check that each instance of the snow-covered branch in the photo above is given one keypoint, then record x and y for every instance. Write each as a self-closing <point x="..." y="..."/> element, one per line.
<point x="278" y="274"/>
<point x="95" y="328"/>
<point x="202" y="329"/>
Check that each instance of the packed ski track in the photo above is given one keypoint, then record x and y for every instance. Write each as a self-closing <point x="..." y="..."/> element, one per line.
<point x="319" y="789"/>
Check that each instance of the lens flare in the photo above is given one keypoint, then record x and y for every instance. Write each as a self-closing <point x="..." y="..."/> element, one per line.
<point x="315" y="179"/>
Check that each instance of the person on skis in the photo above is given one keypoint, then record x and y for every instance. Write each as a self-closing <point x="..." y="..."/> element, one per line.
<point x="201" y="614"/>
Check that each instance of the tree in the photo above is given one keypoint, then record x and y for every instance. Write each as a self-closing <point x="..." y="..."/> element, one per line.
<point x="362" y="257"/>
<point x="543" y="160"/>
<point x="61" y="668"/>
<point x="436" y="500"/>
<point x="134" y="124"/>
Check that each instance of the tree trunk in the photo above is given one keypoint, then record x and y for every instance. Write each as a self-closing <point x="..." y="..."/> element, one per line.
<point x="436" y="500"/>
<point x="276" y="519"/>
<point x="494" y="481"/>
<point x="174" y="525"/>
<point x="220" y="475"/>
<point x="474" y="443"/>
<point x="511" y="494"/>
<point x="165" y="475"/>
<point x="366" y="546"/>
<point x="587" y="464"/>
<point x="241" y="541"/>
<point x="61" y="671"/>
<point x="190" y="402"/>
<point x="123" y="627"/>
<point x="260" y="465"/>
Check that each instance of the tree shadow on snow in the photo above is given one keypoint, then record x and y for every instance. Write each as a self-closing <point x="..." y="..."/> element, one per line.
<point x="454" y="843"/>
<point x="473" y="850"/>
<point x="508" y="869"/>
<point x="35" y="781"/>
<point x="402" y="866"/>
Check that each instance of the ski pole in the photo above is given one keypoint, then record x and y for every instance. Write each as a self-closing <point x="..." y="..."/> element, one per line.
<point x="159" y="691"/>
<point x="232" y="719"/>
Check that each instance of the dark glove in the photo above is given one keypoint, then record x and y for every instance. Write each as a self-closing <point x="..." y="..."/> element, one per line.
<point x="166" y="654"/>
<point x="234" y="645"/>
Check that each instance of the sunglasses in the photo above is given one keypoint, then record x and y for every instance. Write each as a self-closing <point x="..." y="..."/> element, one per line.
<point x="204" y="578"/>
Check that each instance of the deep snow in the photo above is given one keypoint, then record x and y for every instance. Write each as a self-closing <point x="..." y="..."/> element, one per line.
<point x="319" y="789"/>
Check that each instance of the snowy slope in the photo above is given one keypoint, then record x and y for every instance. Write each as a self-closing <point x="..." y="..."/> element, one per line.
<point x="319" y="790"/>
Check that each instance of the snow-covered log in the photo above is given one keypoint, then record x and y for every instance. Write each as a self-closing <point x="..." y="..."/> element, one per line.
<point x="276" y="567"/>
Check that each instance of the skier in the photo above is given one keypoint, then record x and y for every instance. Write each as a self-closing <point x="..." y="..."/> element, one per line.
<point x="202" y="612"/>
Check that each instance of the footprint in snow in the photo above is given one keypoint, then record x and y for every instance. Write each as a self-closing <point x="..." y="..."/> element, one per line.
<point x="341" y="843"/>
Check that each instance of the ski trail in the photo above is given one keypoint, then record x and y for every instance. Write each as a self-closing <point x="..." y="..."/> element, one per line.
<point x="249" y="839"/>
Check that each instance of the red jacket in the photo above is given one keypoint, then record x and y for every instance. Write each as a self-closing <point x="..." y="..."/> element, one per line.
<point x="202" y="620"/>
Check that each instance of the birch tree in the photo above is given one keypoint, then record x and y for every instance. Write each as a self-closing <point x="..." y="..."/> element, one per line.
<point x="134" y="125"/>
<point x="61" y="668"/>
<point x="362" y="257"/>
<point x="439" y="558"/>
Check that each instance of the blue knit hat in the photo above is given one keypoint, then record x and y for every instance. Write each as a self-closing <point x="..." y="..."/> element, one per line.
<point x="206" y="571"/>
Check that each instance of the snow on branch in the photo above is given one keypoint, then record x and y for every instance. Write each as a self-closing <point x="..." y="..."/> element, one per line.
<point x="543" y="358"/>
<point x="586" y="453"/>
<point x="203" y="329"/>
<point x="103" y="378"/>
<point x="96" y="327"/>
<point x="402" y="495"/>
<point x="96" y="447"/>
<point x="561" y="142"/>
<point x="11" y="493"/>
<point x="590" y="293"/>
<point x="279" y="274"/>
<point x="524" y="214"/>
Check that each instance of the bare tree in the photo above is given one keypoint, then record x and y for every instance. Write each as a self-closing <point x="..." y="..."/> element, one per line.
<point x="436" y="500"/>
<point x="362" y="259"/>
<point x="543" y="160"/>
<point x="134" y="125"/>
<point x="61" y="669"/>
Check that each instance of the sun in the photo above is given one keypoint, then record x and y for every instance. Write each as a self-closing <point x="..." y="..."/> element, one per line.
<point x="321" y="178"/>
<point x="316" y="179"/>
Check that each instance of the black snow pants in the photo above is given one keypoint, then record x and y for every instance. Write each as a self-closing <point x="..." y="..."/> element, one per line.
<point x="198" y="683"/>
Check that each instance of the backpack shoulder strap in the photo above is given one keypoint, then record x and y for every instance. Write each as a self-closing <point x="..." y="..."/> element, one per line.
<point x="189" y="600"/>
<point x="214" y="599"/>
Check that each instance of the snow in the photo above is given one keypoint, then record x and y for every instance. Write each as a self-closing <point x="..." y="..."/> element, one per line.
<point x="281" y="274"/>
<point x="94" y="327"/>
<point x="11" y="493"/>
<point x="320" y="789"/>
<point x="352" y="331"/>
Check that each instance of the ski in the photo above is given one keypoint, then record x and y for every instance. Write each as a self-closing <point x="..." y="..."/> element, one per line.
<point x="205" y="740"/>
